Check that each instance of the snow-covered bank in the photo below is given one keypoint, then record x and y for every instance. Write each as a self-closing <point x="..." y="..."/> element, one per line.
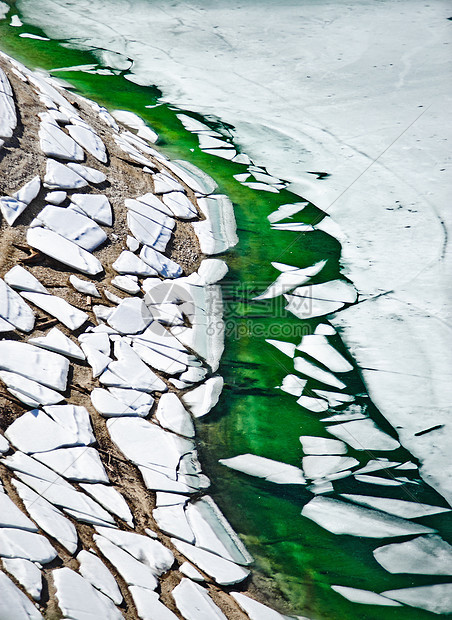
<point x="332" y="88"/>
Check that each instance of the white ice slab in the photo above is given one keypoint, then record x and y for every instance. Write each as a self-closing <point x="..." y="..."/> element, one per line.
<point x="342" y="518"/>
<point x="397" y="507"/>
<point x="288" y="280"/>
<point x="14" y="605"/>
<point x="425" y="555"/>
<point x="80" y="463"/>
<point x="194" y="602"/>
<point x="28" y="391"/>
<point x="130" y="317"/>
<point x="4" y="445"/>
<point x="172" y="415"/>
<point x="314" y="372"/>
<point x="58" y="176"/>
<point x="261" y="467"/>
<point x="320" y="299"/>
<point x="127" y="284"/>
<point x="180" y="205"/>
<point x="77" y="598"/>
<point x="436" y="598"/>
<point x="45" y="367"/>
<point x="323" y="466"/>
<point x="222" y="571"/>
<point x="148" y="232"/>
<point x="16" y="543"/>
<point x="11" y="208"/>
<point x="89" y="140"/>
<point x="293" y="385"/>
<point x="132" y="370"/>
<point x="127" y="262"/>
<point x="58" y="247"/>
<point x="98" y="340"/>
<point x="84" y="286"/>
<point x="317" y="405"/>
<point x="141" y="402"/>
<point x="56" y="143"/>
<point x="148" y="604"/>
<point x="363" y="435"/>
<point x="29" y="191"/>
<point x="95" y="571"/>
<point x="217" y="232"/>
<point x="71" y="317"/>
<point x="285" y="347"/>
<point x="164" y="183"/>
<point x="196" y="179"/>
<point x="12" y="516"/>
<point x="27" y="574"/>
<point x="285" y="211"/>
<point x="56" y="198"/>
<point x="335" y="399"/>
<point x="58" y="342"/>
<point x="318" y="347"/>
<point x="365" y="597"/>
<point x="22" y="280"/>
<point x="173" y="521"/>
<point x="110" y="499"/>
<point x="50" y="519"/>
<point x="73" y="226"/>
<point x="160" y="263"/>
<point x="386" y="482"/>
<point x="91" y="175"/>
<point x="109" y="406"/>
<point x="322" y="445"/>
<point x="191" y="572"/>
<point x="95" y="206"/>
<point x="256" y="610"/>
<point x="96" y="359"/>
<point x="201" y="400"/>
<point x="14" y="310"/>
<point x="8" y="116"/>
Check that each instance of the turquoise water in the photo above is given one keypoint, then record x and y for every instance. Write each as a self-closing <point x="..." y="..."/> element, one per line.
<point x="301" y="559"/>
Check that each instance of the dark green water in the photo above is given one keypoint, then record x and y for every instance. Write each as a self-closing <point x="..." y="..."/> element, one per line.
<point x="302" y="559"/>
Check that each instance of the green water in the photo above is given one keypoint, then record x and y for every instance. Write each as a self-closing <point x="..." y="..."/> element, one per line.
<point x="302" y="559"/>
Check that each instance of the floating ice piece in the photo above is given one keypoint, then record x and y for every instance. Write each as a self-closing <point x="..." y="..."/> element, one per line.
<point x="58" y="176"/>
<point x="160" y="263"/>
<point x="95" y="206"/>
<point x="261" y="467"/>
<point x="45" y="367"/>
<point x="22" y="280"/>
<point x="256" y="610"/>
<point x="322" y="445"/>
<point x="89" y="140"/>
<point x="148" y="604"/>
<point x="180" y="205"/>
<point x="36" y="37"/>
<point x="190" y="571"/>
<point x="109" y="406"/>
<point x="285" y="211"/>
<point x="285" y="347"/>
<point x="293" y="385"/>
<point x="89" y="174"/>
<point x="191" y="124"/>
<point x="16" y="543"/>
<point x="16" y="21"/>
<point x="203" y="398"/>
<point x="94" y="570"/>
<point x="342" y="518"/>
<point x="397" y="507"/>
<point x="58" y="342"/>
<point x="217" y="232"/>
<point x="335" y="399"/>
<point x="147" y="550"/>
<point x="84" y="286"/>
<point x="172" y="415"/>
<point x="56" y="198"/>
<point x="436" y="598"/>
<point x="56" y="143"/>
<point x="318" y="347"/>
<point x="194" y="602"/>
<point x="11" y="208"/>
<point x="110" y="499"/>
<point x="112" y="296"/>
<point x="320" y="299"/>
<point x="70" y="316"/>
<point x="133" y="572"/>
<point x="211" y="271"/>
<point x="196" y="179"/>
<point x="148" y="232"/>
<point x="14" y="310"/>
<point x="425" y="555"/>
<point x="165" y="183"/>
<point x="213" y="532"/>
<point x="193" y="375"/>
<point x="54" y="245"/>
<point x="131" y="316"/>
<point x="173" y="521"/>
<point x="363" y="435"/>
<point x="225" y="153"/>
<point x="170" y="499"/>
<point x="224" y="572"/>
<point x="135" y="122"/>
<point x="27" y="574"/>
<point x="209" y="142"/>
<point x="323" y="466"/>
<point x="127" y="284"/>
<point x="263" y="187"/>
<point x="71" y="225"/>
<point x="293" y="226"/>
<point x="290" y="279"/>
<point x="365" y="597"/>
<point x="129" y="263"/>
<point x="28" y="391"/>
<point x="29" y="191"/>
<point x="13" y="599"/>
<point x="12" y="516"/>
<point x="317" y="405"/>
<point x="50" y="519"/>
<point x="77" y="598"/>
<point x="80" y="463"/>
<point x="386" y="482"/>
<point x="314" y="372"/>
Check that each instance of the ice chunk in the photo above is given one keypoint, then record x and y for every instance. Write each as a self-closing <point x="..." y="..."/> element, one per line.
<point x="22" y="280"/>
<point x="318" y="347"/>
<point x="70" y="316"/>
<point x="256" y="610"/>
<point x="160" y="263"/>
<point x="172" y="415"/>
<point x="320" y="299"/>
<point x="285" y="211"/>
<point x="322" y="445"/>
<point x="293" y="385"/>
<point x="148" y="604"/>
<point x="397" y="507"/>
<point x="12" y="598"/>
<point x="365" y="597"/>
<point x="314" y="372"/>
<point x="89" y="174"/>
<point x="217" y="232"/>
<point x="27" y="574"/>
<point x="28" y="391"/>
<point x="80" y="463"/>
<point x="261" y="467"/>
<point x="288" y="280"/>
<point x="363" y="435"/>
<point x="84" y="286"/>
<point x="12" y="516"/>
<point x="56" y="143"/>
<point x="173" y="521"/>
<point x="45" y="367"/>
<point x="89" y="140"/>
<point x="425" y="555"/>
<point x="285" y="347"/>
<point x="58" y="176"/>
<point x="194" y="602"/>
<point x="95" y="571"/>
<point x="131" y="316"/>
<point x="127" y="262"/>
<point x="436" y="598"/>
<point x="95" y="206"/>
<point x="73" y="226"/>
<point x="16" y="543"/>
<point x="14" y="310"/>
<point x="203" y="399"/>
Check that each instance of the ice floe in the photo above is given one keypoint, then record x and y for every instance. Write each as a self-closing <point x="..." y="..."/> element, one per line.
<point x="45" y="367"/>
<point x="172" y="415"/>
<point x="8" y="116"/>
<point x="180" y="205"/>
<point x="256" y="610"/>
<point x="149" y="606"/>
<point x="95" y="571"/>
<point x="191" y="572"/>
<point x="84" y="286"/>
<point x="133" y="371"/>
<point x="11" y="208"/>
<point x="79" y="463"/>
<point x="196" y="179"/>
<point x="56" y="198"/>
<point x="13" y="601"/>
<point x="365" y="597"/>
<point x="12" y="516"/>
<point x="398" y="507"/>
<point x="109" y="406"/>
<point x="129" y="263"/>
<point x="285" y="211"/>
<point x="87" y="138"/>
<point x="425" y="555"/>
<point x="28" y="391"/>
<point x="322" y="445"/>
<point x="317" y="405"/>
<point x="293" y="385"/>
<point x="217" y="232"/>
<point x="173" y="521"/>
<point x="314" y="372"/>
<point x="58" y="176"/>
<point x="323" y="466"/>
<point x="73" y="226"/>
<point x="165" y="183"/>
<point x="54" y="245"/>
<point x="22" y="280"/>
<point x="110" y="499"/>
<point x="67" y="314"/>
<point x="261" y="467"/>
<point x="27" y="574"/>
<point x="16" y="543"/>
<point x="148" y="232"/>
<point x="89" y="174"/>
<point x="56" y="143"/>
<point x="201" y="400"/>
<point x="285" y="347"/>
<point x="290" y="279"/>
<point x="436" y="598"/>
<point x="318" y="347"/>
<point x="95" y="206"/>
<point x="14" y="310"/>
<point x="343" y="518"/>
<point x="363" y="435"/>
<point x="160" y="263"/>
<point x="194" y="602"/>
<point x="131" y="316"/>
<point x="319" y="299"/>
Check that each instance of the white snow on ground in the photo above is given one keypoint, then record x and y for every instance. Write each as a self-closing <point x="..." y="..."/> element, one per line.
<point x="341" y="85"/>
